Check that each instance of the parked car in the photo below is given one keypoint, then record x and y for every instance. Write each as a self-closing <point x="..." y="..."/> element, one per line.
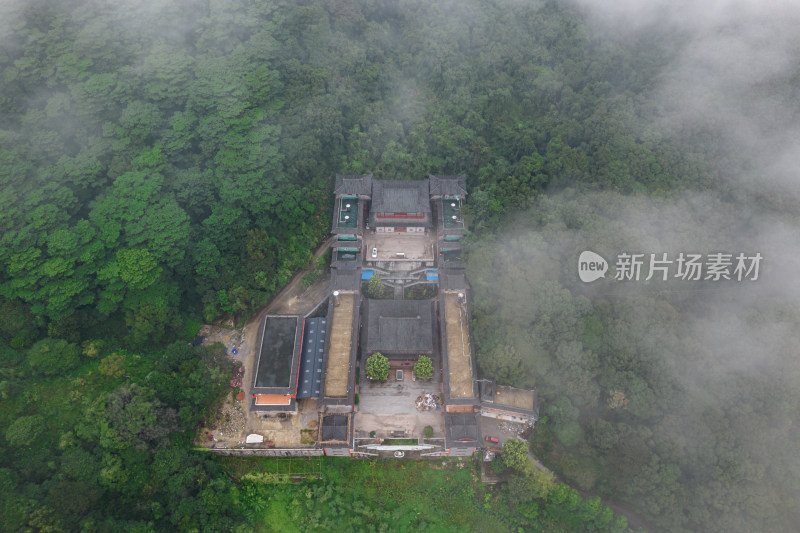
<point x="374" y="253"/>
<point x="489" y="438"/>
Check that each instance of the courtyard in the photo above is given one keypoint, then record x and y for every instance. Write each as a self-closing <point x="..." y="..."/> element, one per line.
<point x="389" y="409"/>
<point x="400" y="246"/>
<point x="501" y="429"/>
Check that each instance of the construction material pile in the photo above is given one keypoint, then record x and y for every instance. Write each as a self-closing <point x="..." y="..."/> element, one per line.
<point x="427" y="402"/>
<point x="238" y="374"/>
<point x="519" y="430"/>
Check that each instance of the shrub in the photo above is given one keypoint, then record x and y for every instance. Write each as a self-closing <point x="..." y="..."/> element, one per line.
<point x="427" y="432"/>
<point x="53" y="357"/>
<point x="92" y="348"/>
<point x="24" y="431"/>
<point x="315" y="273"/>
<point x="8" y="356"/>
<point x="112" y="366"/>
<point x="356" y="398"/>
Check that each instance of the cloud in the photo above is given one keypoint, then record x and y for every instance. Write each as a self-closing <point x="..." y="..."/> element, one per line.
<point x="734" y="71"/>
<point x="732" y="75"/>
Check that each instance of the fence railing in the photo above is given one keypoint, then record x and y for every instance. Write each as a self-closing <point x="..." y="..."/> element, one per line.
<point x="280" y="452"/>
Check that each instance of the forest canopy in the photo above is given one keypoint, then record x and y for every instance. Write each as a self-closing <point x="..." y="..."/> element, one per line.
<point x="164" y="158"/>
<point x="163" y="164"/>
<point x="676" y="396"/>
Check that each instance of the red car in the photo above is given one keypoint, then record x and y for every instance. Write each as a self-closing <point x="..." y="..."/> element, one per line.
<point x="492" y="439"/>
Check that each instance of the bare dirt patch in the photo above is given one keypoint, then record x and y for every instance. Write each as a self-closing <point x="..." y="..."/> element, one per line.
<point x="458" y="349"/>
<point x="301" y="300"/>
<point x="308" y="436"/>
<point x="227" y="427"/>
<point x="337" y="371"/>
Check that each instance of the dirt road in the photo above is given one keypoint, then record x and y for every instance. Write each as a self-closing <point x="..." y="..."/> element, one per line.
<point x="294" y="291"/>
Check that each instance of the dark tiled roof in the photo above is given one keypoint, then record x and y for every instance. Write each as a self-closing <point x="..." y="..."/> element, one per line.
<point x="453" y="280"/>
<point x="335" y="428"/>
<point x="278" y="354"/>
<point x="399" y="326"/>
<point x="451" y="186"/>
<point x="400" y="196"/>
<point x="355" y="245"/>
<point x="345" y="280"/>
<point x="350" y="185"/>
<point x="424" y="222"/>
<point x="310" y="377"/>
<point x="462" y="428"/>
<point x="400" y="222"/>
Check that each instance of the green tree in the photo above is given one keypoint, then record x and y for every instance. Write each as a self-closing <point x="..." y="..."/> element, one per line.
<point x="503" y="363"/>
<point x="25" y="430"/>
<point x="515" y="454"/>
<point x="377" y="367"/>
<point x="375" y="287"/>
<point x="423" y="368"/>
<point x="427" y="432"/>
<point x="131" y="415"/>
<point x="137" y="268"/>
<point x="53" y="356"/>
<point x="92" y="348"/>
<point x="530" y="484"/>
<point x="112" y="366"/>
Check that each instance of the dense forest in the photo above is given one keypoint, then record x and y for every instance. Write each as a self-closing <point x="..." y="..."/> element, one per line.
<point x="159" y="159"/>
<point x="163" y="165"/>
<point x="675" y="396"/>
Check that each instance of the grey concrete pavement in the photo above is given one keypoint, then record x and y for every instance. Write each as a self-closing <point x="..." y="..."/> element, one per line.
<point x="412" y="424"/>
<point x="394" y="397"/>
<point x="388" y="407"/>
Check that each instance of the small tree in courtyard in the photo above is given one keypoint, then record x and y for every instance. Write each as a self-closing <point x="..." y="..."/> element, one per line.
<point x="423" y="368"/>
<point x="377" y="367"/>
<point x="375" y="286"/>
<point x="427" y="432"/>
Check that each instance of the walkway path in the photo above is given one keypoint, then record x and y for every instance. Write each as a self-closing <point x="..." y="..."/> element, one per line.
<point x="293" y="298"/>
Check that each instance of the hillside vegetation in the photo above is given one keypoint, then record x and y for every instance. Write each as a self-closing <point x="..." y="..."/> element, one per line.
<point x="160" y="159"/>
<point x="163" y="164"/>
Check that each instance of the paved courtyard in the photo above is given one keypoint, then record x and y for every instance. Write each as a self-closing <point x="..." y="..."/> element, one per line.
<point x="396" y="399"/>
<point x="499" y="428"/>
<point x="414" y="247"/>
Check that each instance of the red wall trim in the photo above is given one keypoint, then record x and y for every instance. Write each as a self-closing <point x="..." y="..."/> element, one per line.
<point x="399" y="215"/>
<point x="302" y="332"/>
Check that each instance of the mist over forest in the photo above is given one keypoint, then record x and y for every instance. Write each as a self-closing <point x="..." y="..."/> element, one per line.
<point x="677" y="396"/>
<point x="165" y="165"/>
